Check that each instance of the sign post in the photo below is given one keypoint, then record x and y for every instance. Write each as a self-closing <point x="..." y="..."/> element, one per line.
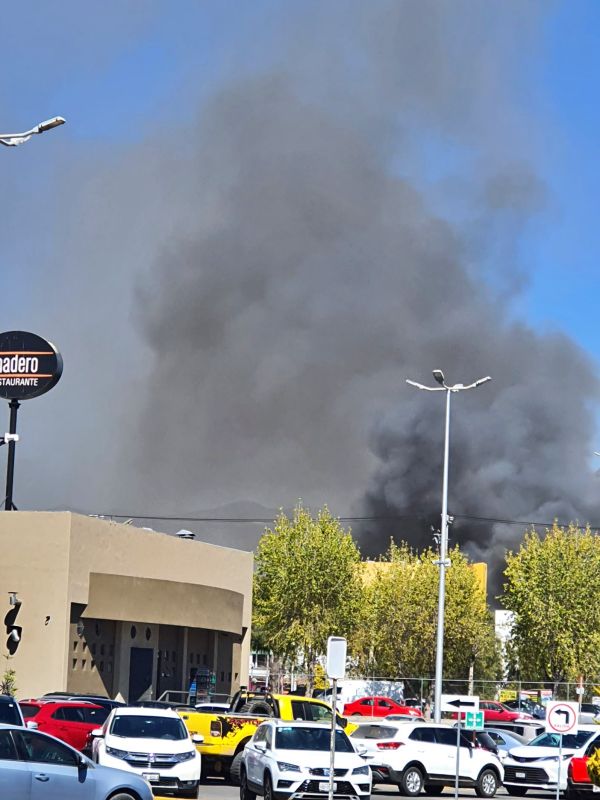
<point x="336" y="669"/>
<point x="29" y="367"/>
<point x="561" y="718"/>
<point x="457" y="703"/>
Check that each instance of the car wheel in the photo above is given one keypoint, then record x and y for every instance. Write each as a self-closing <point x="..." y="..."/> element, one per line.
<point x="122" y="796"/>
<point x="487" y="785"/>
<point x="433" y="789"/>
<point x="245" y="793"/>
<point x="268" y="787"/>
<point x="517" y="791"/>
<point x="235" y="768"/>
<point x="411" y="782"/>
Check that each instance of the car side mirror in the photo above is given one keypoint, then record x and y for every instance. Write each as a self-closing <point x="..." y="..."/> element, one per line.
<point x="341" y="721"/>
<point x="261" y="746"/>
<point x="82" y="762"/>
<point x="32" y="725"/>
<point x="197" y="738"/>
<point x="98" y="733"/>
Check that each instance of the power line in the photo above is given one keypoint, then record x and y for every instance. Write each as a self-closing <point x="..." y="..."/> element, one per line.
<point x="370" y="518"/>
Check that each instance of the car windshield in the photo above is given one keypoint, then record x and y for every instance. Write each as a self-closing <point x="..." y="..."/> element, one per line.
<point x="9" y="714"/>
<point x="571" y="741"/>
<point x="311" y="739"/>
<point x="148" y="727"/>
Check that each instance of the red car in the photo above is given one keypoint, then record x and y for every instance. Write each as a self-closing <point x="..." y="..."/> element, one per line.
<point x="578" y="779"/>
<point x="496" y="712"/>
<point x="71" y="722"/>
<point x="378" y="707"/>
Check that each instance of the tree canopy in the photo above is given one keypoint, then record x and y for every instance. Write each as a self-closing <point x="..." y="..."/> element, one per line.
<point x="552" y="589"/>
<point x="307" y="585"/>
<point x="397" y="636"/>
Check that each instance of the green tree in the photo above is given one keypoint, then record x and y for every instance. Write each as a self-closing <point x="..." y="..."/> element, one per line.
<point x="306" y="586"/>
<point x="552" y="589"/>
<point x="397" y="635"/>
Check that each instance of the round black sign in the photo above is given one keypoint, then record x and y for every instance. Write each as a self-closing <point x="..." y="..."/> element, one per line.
<point x="29" y="365"/>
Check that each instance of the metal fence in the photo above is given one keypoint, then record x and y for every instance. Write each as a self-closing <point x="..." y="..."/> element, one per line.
<point x="422" y="688"/>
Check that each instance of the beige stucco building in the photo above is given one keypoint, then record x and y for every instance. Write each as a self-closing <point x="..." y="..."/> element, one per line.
<point x="108" y="608"/>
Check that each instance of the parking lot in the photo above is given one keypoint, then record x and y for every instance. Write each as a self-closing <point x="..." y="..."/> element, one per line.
<point x="217" y="789"/>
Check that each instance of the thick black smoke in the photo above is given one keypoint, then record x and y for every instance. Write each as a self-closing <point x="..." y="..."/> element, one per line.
<point x="326" y="261"/>
<point x="256" y="286"/>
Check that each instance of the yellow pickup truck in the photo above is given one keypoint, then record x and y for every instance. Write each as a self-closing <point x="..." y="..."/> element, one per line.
<point x="226" y="734"/>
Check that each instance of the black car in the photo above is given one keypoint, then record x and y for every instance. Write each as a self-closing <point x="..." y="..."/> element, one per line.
<point x="10" y="711"/>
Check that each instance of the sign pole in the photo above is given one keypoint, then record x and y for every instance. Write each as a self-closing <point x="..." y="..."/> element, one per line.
<point x="457" y="756"/>
<point x="332" y="746"/>
<point x="560" y="742"/>
<point x="10" y="466"/>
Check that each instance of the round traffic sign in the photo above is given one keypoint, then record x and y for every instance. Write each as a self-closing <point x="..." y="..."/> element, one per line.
<point x="561" y="717"/>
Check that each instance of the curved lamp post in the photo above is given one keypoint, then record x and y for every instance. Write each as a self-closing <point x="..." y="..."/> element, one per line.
<point x="13" y="139"/>
<point x="443" y="561"/>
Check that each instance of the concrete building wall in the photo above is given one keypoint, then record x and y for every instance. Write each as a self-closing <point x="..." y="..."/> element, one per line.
<point x="35" y="564"/>
<point x="86" y="584"/>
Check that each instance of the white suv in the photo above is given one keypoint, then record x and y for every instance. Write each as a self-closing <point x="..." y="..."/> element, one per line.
<point x="289" y="760"/>
<point x="153" y="743"/>
<point x="418" y="756"/>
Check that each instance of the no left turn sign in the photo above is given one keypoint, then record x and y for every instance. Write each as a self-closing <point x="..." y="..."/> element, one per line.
<point x="562" y="717"/>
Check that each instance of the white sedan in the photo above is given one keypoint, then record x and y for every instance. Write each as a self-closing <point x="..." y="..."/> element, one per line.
<point x="291" y="760"/>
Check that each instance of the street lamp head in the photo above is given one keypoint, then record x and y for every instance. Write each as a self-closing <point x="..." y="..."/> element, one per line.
<point x="49" y="124"/>
<point x="482" y="380"/>
<point x="439" y="376"/>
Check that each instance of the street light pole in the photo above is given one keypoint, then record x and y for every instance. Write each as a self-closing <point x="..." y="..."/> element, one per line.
<point x="443" y="562"/>
<point x="14" y="139"/>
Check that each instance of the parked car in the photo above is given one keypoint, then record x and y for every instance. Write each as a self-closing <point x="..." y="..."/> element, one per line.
<point x="535" y="765"/>
<point x="527" y="729"/>
<point x="588" y="713"/>
<point x="379" y="707"/>
<point x="155" y="744"/>
<point x="212" y="708"/>
<point x="69" y="721"/>
<point x="505" y="740"/>
<point x="98" y="699"/>
<point x="479" y="739"/>
<point x="498" y="712"/>
<point x="10" y="712"/>
<point x="57" y="770"/>
<point x="578" y="779"/>
<point x="292" y="758"/>
<point x="417" y="757"/>
<point x="536" y="710"/>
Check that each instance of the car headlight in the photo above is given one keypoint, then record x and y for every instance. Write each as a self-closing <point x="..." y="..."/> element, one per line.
<point x="284" y="766"/>
<point x="112" y="751"/>
<point x="360" y="771"/>
<point x="186" y="756"/>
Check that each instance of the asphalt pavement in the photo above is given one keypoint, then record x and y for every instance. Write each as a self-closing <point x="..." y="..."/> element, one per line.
<point x="217" y="789"/>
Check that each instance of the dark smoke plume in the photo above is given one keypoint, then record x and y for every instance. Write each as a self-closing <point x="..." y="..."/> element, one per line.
<point x="349" y="214"/>
<point x="323" y="266"/>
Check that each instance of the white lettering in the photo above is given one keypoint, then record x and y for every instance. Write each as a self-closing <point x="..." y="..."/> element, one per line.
<point x="19" y="365"/>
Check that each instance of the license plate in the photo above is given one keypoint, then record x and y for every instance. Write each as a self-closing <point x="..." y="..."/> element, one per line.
<point x="520" y="774"/>
<point x="324" y="786"/>
<point x="153" y="777"/>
